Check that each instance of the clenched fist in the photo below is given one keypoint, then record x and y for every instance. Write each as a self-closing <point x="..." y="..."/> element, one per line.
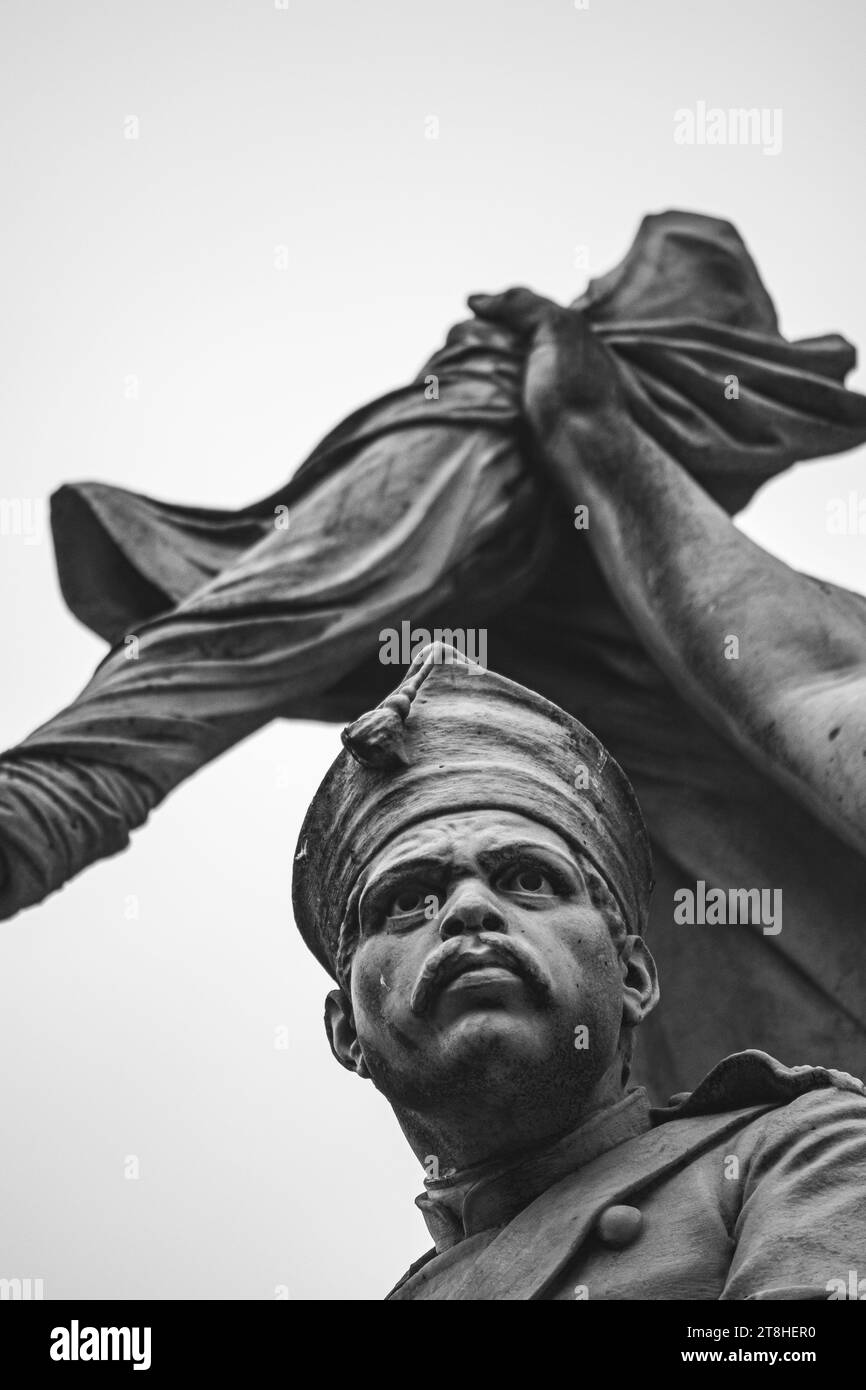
<point x="570" y="374"/>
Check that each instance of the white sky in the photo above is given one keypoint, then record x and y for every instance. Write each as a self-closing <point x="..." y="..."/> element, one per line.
<point x="304" y="127"/>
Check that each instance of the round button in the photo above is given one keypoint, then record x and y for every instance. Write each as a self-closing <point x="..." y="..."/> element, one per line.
<point x="619" y="1226"/>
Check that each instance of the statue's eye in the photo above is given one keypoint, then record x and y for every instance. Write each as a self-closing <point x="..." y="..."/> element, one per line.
<point x="406" y="903"/>
<point x="528" y="880"/>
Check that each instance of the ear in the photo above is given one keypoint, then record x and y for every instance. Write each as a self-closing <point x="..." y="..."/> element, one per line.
<point x="340" y="1029"/>
<point x="640" y="986"/>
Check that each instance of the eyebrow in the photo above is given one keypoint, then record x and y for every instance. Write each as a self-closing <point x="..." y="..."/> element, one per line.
<point x="517" y="849"/>
<point x="415" y="867"/>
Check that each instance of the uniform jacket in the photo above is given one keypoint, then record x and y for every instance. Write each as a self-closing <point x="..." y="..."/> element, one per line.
<point x="750" y="1187"/>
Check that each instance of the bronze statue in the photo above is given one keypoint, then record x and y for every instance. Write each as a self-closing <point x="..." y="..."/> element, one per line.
<point x="483" y="914"/>
<point x="563" y="480"/>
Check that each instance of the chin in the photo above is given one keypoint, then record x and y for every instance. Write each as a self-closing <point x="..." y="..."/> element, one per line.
<point x="496" y="1035"/>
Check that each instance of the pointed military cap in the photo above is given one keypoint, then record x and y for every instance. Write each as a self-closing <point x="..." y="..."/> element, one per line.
<point x="456" y="737"/>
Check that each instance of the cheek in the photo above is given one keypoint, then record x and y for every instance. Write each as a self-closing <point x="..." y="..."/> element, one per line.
<point x="384" y="972"/>
<point x="577" y="945"/>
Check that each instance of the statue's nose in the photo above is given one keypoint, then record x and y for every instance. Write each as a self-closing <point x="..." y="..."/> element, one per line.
<point x="471" y="909"/>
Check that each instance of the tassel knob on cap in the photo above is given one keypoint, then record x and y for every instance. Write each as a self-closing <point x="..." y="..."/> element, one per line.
<point x="377" y="739"/>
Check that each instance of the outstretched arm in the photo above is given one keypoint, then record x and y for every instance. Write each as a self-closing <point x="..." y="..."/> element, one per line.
<point x="773" y="659"/>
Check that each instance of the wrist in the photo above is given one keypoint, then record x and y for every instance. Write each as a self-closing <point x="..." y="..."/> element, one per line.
<point x="585" y="447"/>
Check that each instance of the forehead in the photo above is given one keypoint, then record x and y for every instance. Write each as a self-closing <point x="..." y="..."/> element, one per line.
<point x="462" y="837"/>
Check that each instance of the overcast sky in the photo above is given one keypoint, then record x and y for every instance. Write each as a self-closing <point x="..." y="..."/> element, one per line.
<point x="306" y="127"/>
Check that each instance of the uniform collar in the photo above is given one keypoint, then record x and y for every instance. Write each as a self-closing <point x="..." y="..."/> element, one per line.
<point x="490" y="1194"/>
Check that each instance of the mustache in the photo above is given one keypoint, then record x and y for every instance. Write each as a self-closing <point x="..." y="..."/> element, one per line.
<point x="487" y="948"/>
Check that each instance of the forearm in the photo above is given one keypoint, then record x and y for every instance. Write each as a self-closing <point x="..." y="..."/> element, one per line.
<point x="772" y="659"/>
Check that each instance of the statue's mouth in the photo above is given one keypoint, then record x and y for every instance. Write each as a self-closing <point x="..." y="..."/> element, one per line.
<point x="489" y="961"/>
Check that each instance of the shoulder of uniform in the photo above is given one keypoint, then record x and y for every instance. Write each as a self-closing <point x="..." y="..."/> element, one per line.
<point x="832" y="1110"/>
<point x="754" y="1078"/>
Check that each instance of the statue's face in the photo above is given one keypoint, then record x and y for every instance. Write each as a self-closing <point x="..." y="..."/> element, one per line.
<point x="481" y="953"/>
